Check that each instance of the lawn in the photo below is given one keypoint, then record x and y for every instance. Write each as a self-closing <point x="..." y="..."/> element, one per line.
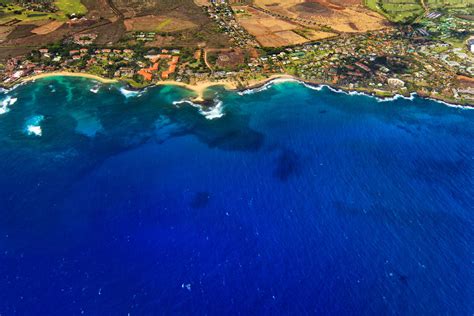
<point x="66" y="7"/>
<point x="69" y="7"/>
<point x="408" y="10"/>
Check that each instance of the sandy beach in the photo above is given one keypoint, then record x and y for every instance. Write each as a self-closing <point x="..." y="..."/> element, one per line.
<point x="68" y="74"/>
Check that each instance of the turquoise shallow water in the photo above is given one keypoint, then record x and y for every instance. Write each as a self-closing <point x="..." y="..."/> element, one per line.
<point x="282" y="201"/>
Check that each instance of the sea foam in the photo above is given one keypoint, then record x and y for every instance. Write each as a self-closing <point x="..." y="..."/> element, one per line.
<point x="95" y="88"/>
<point x="320" y="87"/>
<point x="33" y="127"/>
<point x="6" y="103"/>
<point x="267" y="85"/>
<point x="210" y="113"/>
<point x="130" y="93"/>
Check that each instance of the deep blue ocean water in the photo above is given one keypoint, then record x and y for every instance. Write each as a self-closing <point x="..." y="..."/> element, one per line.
<point x="293" y="202"/>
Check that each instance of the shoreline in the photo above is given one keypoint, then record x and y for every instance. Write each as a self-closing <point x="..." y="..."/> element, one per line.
<point x="200" y="88"/>
<point x="67" y="74"/>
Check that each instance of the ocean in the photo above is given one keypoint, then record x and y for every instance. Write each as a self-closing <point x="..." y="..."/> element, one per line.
<point x="284" y="200"/>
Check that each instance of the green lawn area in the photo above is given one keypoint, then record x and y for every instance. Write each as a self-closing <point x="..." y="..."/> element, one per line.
<point x="7" y="14"/>
<point x="71" y="7"/>
<point x="408" y="10"/>
<point x="449" y="4"/>
<point x="66" y="7"/>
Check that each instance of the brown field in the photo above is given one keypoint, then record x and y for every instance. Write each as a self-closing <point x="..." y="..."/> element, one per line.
<point x="340" y="15"/>
<point x="466" y="81"/>
<point x="268" y="30"/>
<point x="282" y="38"/>
<point x="230" y="59"/>
<point x="168" y="23"/>
<point x="314" y="35"/>
<point x="98" y="8"/>
<point x="187" y="21"/>
<point x="201" y="3"/>
<point x="4" y="32"/>
<point x="47" y="28"/>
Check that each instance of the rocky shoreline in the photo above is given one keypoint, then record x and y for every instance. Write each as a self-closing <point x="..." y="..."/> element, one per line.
<point x="201" y="87"/>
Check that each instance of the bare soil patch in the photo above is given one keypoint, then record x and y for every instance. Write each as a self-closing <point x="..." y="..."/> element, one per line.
<point x="230" y="59"/>
<point x="47" y="28"/>
<point x="4" y="32"/>
<point x="340" y="15"/>
<point x="311" y="8"/>
<point x="268" y="30"/>
<point x="22" y="30"/>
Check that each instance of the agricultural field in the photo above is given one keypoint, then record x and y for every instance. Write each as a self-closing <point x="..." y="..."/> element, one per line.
<point x="407" y="11"/>
<point x="268" y="30"/>
<point x="348" y="16"/>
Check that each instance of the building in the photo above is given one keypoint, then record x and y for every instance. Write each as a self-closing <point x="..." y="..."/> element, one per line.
<point x="470" y="45"/>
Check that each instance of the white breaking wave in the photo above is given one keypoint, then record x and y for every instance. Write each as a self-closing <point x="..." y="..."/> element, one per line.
<point x="397" y="96"/>
<point x="412" y="96"/>
<point x="5" y="103"/>
<point x="312" y="87"/>
<point x="209" y="113"/>
<point x="33" y="126"/>
<point x="267" y="85"/>
<point x="379" y="99"/>
<point x="34" y="130"/>
<point x="457" y="106"/>
<point x="213" y="112"/>
<point x="95" y="89"/>
<point x="130" y="93"/>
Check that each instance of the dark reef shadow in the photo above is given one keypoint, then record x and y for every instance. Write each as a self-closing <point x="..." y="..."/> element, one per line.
<point x="200" y="200"/>
<point x="287" y="164"/>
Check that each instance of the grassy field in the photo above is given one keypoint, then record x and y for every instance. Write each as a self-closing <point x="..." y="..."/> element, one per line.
<point x="449" y="4"/>
<point x="406" y="11"/>
<point x="71" y="7"/>
<point x="10" y="11"/>
<point x="397" y="10"/>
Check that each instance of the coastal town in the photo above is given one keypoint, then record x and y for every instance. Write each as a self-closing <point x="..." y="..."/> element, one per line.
<point x="399" y="59"/>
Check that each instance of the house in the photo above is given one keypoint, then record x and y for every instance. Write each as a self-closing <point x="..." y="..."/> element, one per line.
<point x="396" y="83"/>
<point x="145" y="74"/>
<point x="470" y="45"/>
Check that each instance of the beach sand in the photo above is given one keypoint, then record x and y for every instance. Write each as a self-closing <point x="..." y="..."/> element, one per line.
<point x="200" y="87"/>
<point x="68" y="74"/>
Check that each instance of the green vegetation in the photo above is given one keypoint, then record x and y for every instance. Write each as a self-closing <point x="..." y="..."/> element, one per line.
<point x="400" y="11"/>
<point x="69" y="7"/>
<point x="449" y="4"/>
<point x="12" y="10"/>
<point x="408" y="11"/>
